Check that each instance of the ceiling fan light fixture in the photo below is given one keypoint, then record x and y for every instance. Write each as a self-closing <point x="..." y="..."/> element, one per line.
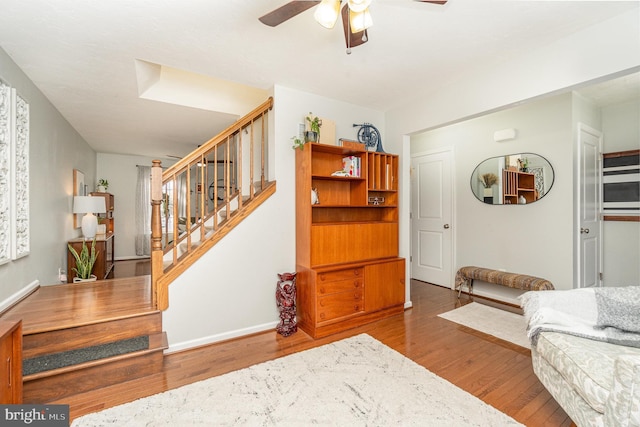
<point x="327" y="12"/>
<point x="358" y="5"/>
<point x="360" y="21"/>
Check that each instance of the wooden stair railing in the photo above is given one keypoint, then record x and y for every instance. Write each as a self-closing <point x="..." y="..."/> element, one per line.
<point x="199" y="199"/>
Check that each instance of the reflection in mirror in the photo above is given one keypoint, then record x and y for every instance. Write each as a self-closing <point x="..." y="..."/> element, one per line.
<point x="513" y="179"/>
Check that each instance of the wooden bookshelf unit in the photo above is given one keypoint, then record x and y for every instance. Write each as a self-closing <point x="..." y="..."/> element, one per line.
<point x="516" y="184"/>
<point x="349" y="272"/>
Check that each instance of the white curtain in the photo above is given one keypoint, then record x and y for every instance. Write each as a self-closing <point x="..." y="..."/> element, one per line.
<point x="143" y="211"/>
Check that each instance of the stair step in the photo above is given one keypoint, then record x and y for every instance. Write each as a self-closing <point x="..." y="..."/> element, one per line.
<point x="53" y="361"/>
<point x="56" y="384"/>
<point x="78" y="337"/>
<point x="69" y="319"/>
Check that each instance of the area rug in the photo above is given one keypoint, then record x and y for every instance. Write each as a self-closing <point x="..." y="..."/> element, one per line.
<point x="503" y="324"/>
<point x="357" y="381"/>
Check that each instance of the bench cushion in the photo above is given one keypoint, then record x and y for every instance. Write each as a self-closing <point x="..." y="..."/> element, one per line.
<point x="512" y="280"/>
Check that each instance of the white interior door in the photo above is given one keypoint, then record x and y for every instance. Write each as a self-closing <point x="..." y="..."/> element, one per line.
<point x="589" y="203"/>
<point x="431" y="218"/>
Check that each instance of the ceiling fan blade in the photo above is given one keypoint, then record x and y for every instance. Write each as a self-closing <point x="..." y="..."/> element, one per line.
<point x="288" y="11"/>
<point x="352" y="39"/>
<point x="433" y="1"/>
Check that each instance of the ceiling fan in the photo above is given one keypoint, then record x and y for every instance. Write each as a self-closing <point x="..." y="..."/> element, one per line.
<point x="355" y="16"/>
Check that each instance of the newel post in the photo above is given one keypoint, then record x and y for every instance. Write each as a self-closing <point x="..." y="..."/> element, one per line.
<point x="160" y="297"/>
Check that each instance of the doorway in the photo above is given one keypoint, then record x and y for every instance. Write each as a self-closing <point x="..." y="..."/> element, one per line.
<point x="432" y="217"/>
<point x="589" y="241"/>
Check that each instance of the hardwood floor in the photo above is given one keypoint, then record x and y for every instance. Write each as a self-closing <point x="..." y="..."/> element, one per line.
<point x="498" y="372"/>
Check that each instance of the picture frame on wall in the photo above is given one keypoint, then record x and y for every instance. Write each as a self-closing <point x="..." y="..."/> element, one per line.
<point x="79" y="189"/>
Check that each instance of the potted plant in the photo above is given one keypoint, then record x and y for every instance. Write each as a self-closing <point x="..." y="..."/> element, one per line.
<point x="488" y="180"/>
<point x="84" y="262"/>
<point x="103" y="185"/>
<point x="313" y="134"/>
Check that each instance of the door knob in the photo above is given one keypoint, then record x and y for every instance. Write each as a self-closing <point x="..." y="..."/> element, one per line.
<point x="584" y="231"/>
<point x="446" y="226"/>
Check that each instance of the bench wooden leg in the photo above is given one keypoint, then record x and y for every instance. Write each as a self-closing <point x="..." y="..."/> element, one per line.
<point x="469" y="287"/>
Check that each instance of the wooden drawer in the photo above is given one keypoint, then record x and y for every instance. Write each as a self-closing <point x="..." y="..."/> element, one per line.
<point x="340" y="286"/>
<point x="349" y="273"/>
<point x="339" y="305"/>
<point x="331" y="282"/>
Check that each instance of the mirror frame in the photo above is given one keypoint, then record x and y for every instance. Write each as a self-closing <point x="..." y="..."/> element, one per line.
<point x="527" y="191"/>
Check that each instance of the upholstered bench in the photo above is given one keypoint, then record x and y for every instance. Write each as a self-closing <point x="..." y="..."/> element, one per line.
<point x="466" y="276"/>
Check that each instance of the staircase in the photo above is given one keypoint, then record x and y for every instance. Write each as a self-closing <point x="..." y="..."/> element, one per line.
<point x="201" y="198"/>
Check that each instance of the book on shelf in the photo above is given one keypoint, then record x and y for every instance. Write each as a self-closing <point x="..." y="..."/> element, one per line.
<point x="351" y="165"/>
<point x="387" y="175"/>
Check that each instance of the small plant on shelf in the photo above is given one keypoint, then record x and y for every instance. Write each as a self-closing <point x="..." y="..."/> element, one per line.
<point x="103" y="184"/>
<point x="313" y="134"/>
<point x="84" y="260"/>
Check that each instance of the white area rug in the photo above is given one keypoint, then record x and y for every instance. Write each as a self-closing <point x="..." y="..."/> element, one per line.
<point x="503" y="324"/>
<point x="354" y="382"/>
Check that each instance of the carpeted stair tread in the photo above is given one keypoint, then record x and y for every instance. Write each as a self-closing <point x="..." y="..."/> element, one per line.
<point x="74" y="357"/>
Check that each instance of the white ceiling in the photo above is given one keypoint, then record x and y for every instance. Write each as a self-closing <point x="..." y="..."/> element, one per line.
<point x="82" y="55"/>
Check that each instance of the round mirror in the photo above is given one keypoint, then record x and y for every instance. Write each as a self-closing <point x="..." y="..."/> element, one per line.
<point x="515" y="179"/>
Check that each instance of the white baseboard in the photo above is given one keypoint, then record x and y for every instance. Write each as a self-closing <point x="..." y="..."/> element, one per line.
<point x="188" y="345"/>
<point x="21" y="294"/>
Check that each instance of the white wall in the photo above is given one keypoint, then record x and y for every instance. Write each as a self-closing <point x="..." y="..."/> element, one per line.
<point x="533" y="239"/>
<point x="605" y="49"/>
<point x="230" y="291"/>
<point x="122" y="173"/>
<point x="620" y="125"/>
<point x="55" y="149"/>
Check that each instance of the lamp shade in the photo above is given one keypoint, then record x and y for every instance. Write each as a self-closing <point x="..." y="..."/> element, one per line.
<point x="88" y="204"/>
<point x="358" y="5"/>
<point x="327" y="12"/>
<point x="360" y="21"/>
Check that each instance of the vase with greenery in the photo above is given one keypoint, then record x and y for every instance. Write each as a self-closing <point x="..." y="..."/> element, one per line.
<point x="84" y="261"/>
<point x="103" y="185"/>
<point x="313" y="134"/>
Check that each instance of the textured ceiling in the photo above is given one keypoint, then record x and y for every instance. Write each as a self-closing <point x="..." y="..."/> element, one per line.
<point x="83" y="55"/>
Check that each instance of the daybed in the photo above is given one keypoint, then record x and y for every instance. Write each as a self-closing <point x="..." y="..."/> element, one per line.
<point x="585" y="351"/>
